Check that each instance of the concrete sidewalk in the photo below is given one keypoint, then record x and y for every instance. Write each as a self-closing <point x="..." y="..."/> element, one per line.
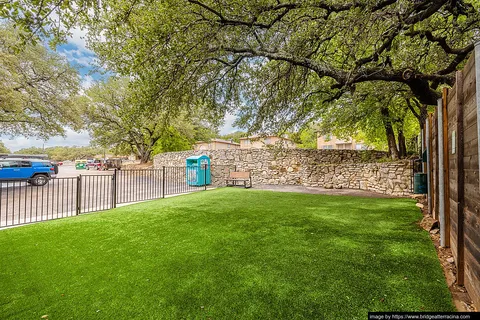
<point x="320" y="190"/>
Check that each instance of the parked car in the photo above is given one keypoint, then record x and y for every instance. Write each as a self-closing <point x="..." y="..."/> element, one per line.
<point x="94" y="164"/>
<point x="114" y="163"/>
<point x="80" y="164"/>
<point x="35" y="171"/>
<point x="55" y="166"/>
<point x="24" y="156"/>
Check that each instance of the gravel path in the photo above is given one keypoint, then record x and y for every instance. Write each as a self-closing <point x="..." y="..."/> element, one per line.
<point x="320" y="190"/>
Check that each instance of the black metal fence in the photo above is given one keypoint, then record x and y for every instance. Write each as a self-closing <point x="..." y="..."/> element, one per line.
<point x="21" y="202"/>
<point x="96" y="193"/>
<point x="139" y="185"/>
<point x="178" y="178"/>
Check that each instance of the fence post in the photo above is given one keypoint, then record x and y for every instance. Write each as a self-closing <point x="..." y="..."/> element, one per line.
<point x="460" y="181"/>
<point x="446" y="168"/>
<point x="423" y="134"/>
<point x="79" y="194"/>
<point x="428" y="147"/>
<point x="477" y="89"/>
<point x="205" y="175"/>
<point x="163" y="181"/>
<point x="412" y="163"/>
<point x="441" y="171"/>
<point x="114" y="189"/>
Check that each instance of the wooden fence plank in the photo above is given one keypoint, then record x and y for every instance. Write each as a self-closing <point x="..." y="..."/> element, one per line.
<point x="473" y="279"/>
<point x="460" y="181"/>
<point x="470" y="113"/>
<point x="462" y="175"/>
<point x="430" y="166"/>
<point x="435" y="168"/>
<point x="446" y="167"/>
<point x="451" y="96"/>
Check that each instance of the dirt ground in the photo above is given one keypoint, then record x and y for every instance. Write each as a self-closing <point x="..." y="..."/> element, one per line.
<point x="460" y="296"/>
<point x="137" y="166"/>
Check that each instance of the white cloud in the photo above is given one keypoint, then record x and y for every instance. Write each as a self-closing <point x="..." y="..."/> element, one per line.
<point x="20" y="143"/>
<point x="228" y="125"/>
<point x="72" y="138"/>
<point x="78" y="39"/>
<point x="87" y="82"/>
<point x="78" y="56"/>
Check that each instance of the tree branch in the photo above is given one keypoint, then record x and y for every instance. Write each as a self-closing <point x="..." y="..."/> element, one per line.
<point x="320" y="70"/>
<point x="442" y="42"/>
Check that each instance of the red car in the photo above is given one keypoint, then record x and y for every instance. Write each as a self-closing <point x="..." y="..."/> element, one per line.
<point x="94" y="165"/>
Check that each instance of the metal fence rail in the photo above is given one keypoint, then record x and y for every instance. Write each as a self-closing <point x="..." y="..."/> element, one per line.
<point x="96" y="193"/>
<point x="138" y="185"/>
<point x="176" y="181"/>
<point x="21" y="202"/>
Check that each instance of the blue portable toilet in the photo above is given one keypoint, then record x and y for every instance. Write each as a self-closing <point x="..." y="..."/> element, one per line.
<point x="198" y="170"/>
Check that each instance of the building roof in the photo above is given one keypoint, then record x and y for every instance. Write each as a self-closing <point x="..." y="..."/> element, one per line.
<point x="219" y="140"/>
<point x="23" y="156"/>
<point x="265" y="136"/>
<point x="25" y="159"/>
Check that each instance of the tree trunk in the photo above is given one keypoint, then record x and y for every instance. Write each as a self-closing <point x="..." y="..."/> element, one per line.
<point x="387" y="123"/>
<point x="145" y="156"/>
<point x="402" y="145"/>
<point x="422" y="113"/>
<point x="144" y="153"/>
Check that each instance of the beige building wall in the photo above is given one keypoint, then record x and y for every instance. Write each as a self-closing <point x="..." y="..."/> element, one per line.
<point x="215" y="145"/>
<point x="334" y="143"/>
<point x="262" y="142"/>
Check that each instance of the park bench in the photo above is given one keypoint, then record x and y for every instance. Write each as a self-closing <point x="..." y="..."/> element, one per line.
<point x="236" y="176"/>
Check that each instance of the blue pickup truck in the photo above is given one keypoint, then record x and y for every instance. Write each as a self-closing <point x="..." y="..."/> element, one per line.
<point x="35" y="171"/>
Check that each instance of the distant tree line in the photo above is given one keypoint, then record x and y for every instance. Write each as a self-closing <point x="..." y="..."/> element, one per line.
<point x="65" y="153"/>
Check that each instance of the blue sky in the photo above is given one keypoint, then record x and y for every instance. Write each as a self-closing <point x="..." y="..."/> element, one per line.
<point x="76" y="52"/>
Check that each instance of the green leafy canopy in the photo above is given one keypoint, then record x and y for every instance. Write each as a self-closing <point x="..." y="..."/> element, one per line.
<point x="279" y="63"/>
<point x="37" y="89"/>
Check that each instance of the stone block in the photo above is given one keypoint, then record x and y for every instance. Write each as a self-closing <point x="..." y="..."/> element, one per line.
<point x="311" y="167"/>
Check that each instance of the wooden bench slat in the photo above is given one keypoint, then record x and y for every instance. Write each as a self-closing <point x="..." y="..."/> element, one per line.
<point x="238" y="174"/>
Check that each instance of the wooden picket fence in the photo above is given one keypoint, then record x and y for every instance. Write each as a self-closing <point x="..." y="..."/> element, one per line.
<point x="454" y="186"/>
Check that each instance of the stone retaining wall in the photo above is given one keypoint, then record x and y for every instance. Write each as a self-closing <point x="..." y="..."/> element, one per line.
<point x="318" y="168"/>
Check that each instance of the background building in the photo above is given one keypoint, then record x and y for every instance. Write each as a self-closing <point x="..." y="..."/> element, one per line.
<point x="215" y="144"/>
<point x="264" y="141"/>
<point x="332" y="142"/>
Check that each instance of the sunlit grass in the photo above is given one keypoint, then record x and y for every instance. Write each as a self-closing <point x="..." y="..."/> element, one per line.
<point x="225" y="254"/>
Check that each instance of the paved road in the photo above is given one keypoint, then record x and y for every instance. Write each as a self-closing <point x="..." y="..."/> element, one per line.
<point x="22" y="203"/>
<point x="68" y="171"/>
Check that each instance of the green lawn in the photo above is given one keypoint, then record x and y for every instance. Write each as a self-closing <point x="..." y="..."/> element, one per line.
<point x="225" y="254"/>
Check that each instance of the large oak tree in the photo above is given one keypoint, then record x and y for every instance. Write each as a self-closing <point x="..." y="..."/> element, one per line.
<point x="377" y="114"/>
<point x="37" y="89"/>
<point x="279" y="60"/>
<point x="118" y="117"/>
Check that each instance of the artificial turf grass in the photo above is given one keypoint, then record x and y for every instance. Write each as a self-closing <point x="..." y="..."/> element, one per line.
<point x="225" y="254"/>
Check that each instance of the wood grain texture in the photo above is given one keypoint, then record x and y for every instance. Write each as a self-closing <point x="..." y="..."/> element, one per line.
<point x="446" y="167"/>
<point x="460" y="181"/>
<point x="462" y="177"/>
